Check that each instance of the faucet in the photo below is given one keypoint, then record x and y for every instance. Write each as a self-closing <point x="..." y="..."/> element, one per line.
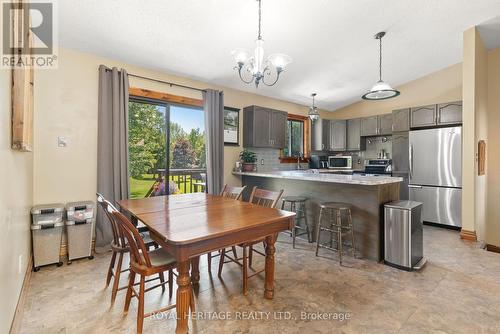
<point x="299" y="156"/>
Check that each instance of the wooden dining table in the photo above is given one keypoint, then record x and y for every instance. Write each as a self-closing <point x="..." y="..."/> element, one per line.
<point x="189" y="225"/>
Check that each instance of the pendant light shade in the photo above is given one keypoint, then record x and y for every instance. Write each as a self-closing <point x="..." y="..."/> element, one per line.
<point x="313" y="110"/>
<point x="381" y="90"/>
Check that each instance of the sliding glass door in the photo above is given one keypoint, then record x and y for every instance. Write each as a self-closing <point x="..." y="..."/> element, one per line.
<point x="166" y="148"/>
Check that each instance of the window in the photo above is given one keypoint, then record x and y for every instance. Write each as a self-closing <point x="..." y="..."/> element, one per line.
<point x="166" y="142"/>
<point x="297" y="139"/>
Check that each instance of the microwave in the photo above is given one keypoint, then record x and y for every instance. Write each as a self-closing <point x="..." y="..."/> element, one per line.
<point x="340" y="162"/>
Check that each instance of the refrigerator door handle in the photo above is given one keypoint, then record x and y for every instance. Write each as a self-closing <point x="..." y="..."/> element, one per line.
<point x="411" y="160"/>
<point x="413" y="186"/>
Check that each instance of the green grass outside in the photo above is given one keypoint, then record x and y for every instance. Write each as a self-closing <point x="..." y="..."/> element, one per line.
<point x="140" y="187"/>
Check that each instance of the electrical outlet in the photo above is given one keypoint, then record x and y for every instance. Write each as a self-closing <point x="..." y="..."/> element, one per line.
<point x="20" y="264"/>
<point x="262" y="161"/>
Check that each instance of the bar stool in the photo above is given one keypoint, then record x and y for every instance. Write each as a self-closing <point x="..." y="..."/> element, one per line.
<point x="297" y="204"/>
<point x="335" y="226"/>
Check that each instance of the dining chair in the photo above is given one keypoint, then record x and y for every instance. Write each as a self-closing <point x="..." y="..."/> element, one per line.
<point x="145" y="263"/>
<point x="119" y="247"/>
<point x="261" y="197"/>
<point x="233" y="193"/>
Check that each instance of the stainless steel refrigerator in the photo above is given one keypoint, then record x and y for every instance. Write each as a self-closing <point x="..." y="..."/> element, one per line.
<point x="435" y="157"/>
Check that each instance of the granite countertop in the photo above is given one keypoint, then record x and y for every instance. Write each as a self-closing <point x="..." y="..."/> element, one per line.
<point x="326" y="177"/>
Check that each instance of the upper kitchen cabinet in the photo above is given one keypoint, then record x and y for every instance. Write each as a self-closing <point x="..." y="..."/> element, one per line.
<point x="369" y="126"/>
<point x="436" y="115"/>
<point x="385" y="124"/>
<point x="354" y="142"/>
<point x="376" y="125"/>
<point x="338" y="132"/>
<point x="423" y="116"/>
<point x="320" y="135"/>
<point x="264" y="127"/>
<point x="449" y="113"/>
<point x="401" y="120"/>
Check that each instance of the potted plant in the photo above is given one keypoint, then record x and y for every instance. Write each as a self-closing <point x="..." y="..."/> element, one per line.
<point x="248" y="159"/>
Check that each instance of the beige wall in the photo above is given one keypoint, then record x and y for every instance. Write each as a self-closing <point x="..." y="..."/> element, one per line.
<point x="493" y="147"/>
<point x="66" y="105"/>
<point x="441" y="86"/>
<point x="16" y="191"/>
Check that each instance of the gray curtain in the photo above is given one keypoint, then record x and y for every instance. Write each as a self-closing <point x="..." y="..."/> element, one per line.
<point x="112" y="141"/>
<point x="213" y="105"/>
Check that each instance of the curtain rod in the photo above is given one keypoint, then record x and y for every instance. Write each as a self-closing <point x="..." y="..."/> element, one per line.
<point x="163" y="82"/>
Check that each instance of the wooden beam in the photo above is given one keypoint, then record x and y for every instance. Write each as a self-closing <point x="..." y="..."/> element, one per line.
<point x="170" y="98"/>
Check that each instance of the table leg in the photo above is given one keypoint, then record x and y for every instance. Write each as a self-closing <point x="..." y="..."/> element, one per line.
<point x="195" y="270"/>
<point x="183" y="299"/>
<point x="269" y="283"/>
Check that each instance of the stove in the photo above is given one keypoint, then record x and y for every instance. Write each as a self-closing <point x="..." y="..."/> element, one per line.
<point x="377" y="167"/>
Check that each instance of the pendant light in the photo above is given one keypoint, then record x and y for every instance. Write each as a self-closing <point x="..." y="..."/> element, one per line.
<point x="381" y="90"/>
<point x="313" y="110"/>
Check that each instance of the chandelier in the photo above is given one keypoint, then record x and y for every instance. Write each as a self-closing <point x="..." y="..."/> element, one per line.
<point x="313" y="110"/>
<point x="381" y="90"/>
<point x="256" y="69"/>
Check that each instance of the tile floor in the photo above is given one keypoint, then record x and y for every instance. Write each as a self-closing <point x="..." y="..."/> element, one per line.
<point x="457" y="292"/>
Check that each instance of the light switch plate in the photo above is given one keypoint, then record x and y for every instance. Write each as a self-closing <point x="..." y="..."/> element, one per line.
<point x="62" y="141"/>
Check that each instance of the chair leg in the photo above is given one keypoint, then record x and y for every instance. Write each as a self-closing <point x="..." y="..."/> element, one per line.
<point x="162" y="280"/>
<point x="140" y="308"/>
<point x="131" y="281"/>
<point x="110" y="268"/>
<point x="170" y="283"/>
<point x="245" y="270"/>
<point x="209" y="260"/>
<point x="308" y="230"/>
<point x="318" y="230"/>
<point x="295" y="222"/>
<point x="117" y="278"/>
<point x="250" y="256"/>
<point x="339" y="237"/>
<point x="221" y="261"/>
<point x="352" y="234"/>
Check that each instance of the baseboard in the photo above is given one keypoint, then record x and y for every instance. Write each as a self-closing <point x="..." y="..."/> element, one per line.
<point x="18" y="314"/>
<point x="492" y="248"/>
<point x="468" y="235"/>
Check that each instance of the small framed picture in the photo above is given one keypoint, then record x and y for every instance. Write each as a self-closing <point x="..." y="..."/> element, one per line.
<point x="231" y="126"/>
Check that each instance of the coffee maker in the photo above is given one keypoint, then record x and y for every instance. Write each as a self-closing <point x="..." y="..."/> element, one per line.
<point x="318" y="162"/>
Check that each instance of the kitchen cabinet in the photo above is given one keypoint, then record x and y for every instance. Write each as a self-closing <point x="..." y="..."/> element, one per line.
<point x="354" y="142"/>
<point x="338" y="132"/>
<point x="423" y="116"/>
<point x="320" y="135"/>
<point x="385" y="124"/>
<point x="449" y="113"/>
<point x="401" y="120"/>
<point x="376" y="125"/>
<point x="264" y="127"/>
<point x="369" y="126"/>
<point x="400" y="152"/>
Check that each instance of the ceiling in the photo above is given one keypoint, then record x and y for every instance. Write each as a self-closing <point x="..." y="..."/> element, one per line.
<point x="490" y="33"/>
<point x="330" y="41"/>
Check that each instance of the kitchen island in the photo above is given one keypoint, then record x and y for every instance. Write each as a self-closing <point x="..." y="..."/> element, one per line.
<point x="366" y="194"/>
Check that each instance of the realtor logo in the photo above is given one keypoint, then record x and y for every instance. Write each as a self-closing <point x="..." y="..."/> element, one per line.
<point x="28" y="35"/>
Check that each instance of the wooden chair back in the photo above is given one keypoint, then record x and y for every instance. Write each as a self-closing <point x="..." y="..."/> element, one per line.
<point x="118" y="237"/>
<point x="266" y="198"/>
<point x="232" y="192"/>
<point x="138" y="250"/>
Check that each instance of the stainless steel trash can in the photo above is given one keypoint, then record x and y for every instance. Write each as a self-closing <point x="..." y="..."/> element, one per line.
<point x="403" y="235"/>
<point x="46" y="229"/>
<point x="80" y="229"/>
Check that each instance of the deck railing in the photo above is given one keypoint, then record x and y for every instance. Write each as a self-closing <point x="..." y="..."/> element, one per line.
<point x="189" y="180"/>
